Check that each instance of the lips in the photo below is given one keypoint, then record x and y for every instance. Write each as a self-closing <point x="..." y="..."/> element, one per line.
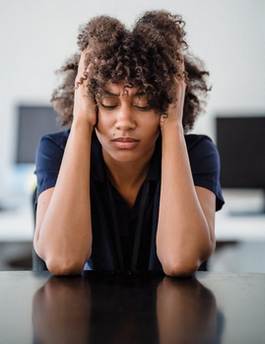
<point x="125" y="144"/>
<point x="125" y="139"/>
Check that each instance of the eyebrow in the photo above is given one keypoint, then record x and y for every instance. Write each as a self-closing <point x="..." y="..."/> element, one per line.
<point x="138" y="93"/>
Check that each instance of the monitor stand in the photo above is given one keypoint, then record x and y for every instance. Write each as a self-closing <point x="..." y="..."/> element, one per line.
<point x="250" y="213"/>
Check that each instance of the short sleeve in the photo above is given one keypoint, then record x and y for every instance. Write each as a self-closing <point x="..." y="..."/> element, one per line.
<point x="205" y="165"/>
<point x="49" y="154"/>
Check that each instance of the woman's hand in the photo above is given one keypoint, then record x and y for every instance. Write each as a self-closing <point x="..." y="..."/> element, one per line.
<point x="174" y="113"/>
<point x="85" y="107"/>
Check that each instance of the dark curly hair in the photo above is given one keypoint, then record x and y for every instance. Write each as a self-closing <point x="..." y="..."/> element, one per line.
<point x="147" y="57"/>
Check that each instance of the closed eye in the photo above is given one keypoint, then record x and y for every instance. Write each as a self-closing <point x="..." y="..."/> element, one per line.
<point x="141" y="108"/>
<point x="108" y="106"/>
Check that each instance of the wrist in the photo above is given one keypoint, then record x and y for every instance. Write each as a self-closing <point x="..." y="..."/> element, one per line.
<point x="79" y="122"/>
<point x="82" y="124"/>
<point x="172" y="126"/>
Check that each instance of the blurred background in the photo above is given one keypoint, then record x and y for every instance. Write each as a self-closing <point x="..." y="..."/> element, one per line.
<point x="36" y="37"/>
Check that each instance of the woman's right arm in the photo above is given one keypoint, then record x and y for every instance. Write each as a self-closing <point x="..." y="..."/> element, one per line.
<point x="63" y="234"/>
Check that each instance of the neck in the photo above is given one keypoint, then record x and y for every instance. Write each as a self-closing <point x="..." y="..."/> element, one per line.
<point x="127" y="175"/>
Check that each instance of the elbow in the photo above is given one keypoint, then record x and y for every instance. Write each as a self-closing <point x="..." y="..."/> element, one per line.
<point x="37" y="248"/>
<point x="185" y="266"/>
<point x="181" y="269"/>
<point x="60" y="267"/>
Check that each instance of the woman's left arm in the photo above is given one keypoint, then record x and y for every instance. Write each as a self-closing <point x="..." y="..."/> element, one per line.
<point x="185" y="233"/>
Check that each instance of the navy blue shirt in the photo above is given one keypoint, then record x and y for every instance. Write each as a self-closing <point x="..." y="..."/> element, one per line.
<point x="124" y="238"/>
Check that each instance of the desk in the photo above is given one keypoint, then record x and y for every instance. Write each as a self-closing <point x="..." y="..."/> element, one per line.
<point x="105" y="308"/>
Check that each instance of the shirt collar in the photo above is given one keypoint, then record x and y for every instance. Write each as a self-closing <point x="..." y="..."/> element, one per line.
<point x="98" y="166"/>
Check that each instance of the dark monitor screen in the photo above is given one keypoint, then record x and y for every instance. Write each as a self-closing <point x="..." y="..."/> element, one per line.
<point x="33" y="122"/>
<point x="241" y="144"/>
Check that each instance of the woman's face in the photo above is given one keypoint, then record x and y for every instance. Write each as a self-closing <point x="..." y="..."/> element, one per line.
<point x="124" y="112"/>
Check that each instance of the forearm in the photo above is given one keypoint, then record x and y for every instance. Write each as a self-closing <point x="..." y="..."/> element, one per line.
<point x="65" y="236"/>
<point x="183" y="237"/>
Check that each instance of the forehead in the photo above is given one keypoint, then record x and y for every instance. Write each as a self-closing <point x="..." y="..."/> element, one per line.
<point x="121" y="89"/>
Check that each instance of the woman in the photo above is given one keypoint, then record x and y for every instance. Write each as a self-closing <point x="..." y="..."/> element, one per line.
<point x="124" y="188"/>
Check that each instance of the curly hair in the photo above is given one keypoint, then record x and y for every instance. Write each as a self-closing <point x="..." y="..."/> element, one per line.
<point x="147" y="57"/>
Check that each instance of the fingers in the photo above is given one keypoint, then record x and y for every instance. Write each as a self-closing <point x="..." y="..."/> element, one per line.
<point x="80" y="79"/>
<point x="182" y="64"/>
<point x="83" y="71"/>
<point x="182" y="75"/>
<point x="81" y="64"/>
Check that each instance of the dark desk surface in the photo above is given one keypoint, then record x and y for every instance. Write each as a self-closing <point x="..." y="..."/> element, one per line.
<point x="93" y="308"/>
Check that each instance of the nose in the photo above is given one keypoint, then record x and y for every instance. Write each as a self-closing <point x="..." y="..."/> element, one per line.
<point x="125" y="118"/>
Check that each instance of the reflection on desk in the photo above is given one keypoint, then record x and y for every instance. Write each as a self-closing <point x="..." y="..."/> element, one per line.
<point x="100" y="308"/>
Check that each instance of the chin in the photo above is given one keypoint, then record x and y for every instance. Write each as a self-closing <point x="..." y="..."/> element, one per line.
<point x="124" y="155"/>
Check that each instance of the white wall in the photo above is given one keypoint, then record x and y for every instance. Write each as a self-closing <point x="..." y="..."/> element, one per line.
<point x="36" y="37"/>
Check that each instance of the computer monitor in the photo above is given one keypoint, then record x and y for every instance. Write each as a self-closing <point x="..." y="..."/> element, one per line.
<point x="241" y="144"/>
<point x="32" y="123"/>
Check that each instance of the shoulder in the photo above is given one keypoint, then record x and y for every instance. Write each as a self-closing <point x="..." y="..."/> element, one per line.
<point x="202" y="151"/>
<point x="52" y="144"/>
<point x="205" y="164"/>
<point x="50" y="150"/>
<point x="56" y="139"/>
<point x="195" y="141"/>
<point x="48" y="159"/>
